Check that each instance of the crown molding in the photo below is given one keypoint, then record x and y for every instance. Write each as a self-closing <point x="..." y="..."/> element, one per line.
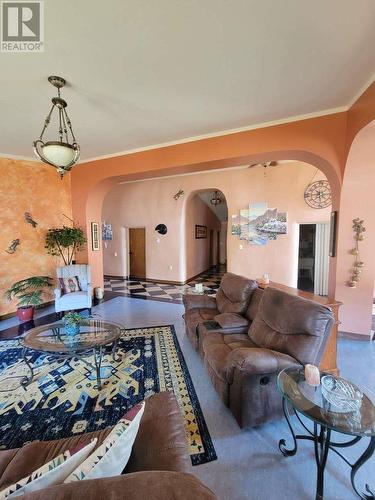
<point x="211" y="135"/>
<point x="361" y="91"/>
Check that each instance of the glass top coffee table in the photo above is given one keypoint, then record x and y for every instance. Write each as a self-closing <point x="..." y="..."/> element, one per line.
<point x="93" y="338"/>
<point x="309" y="401"/>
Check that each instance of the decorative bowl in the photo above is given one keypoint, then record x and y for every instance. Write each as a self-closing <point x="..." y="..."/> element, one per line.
<point x="341" y="393"/>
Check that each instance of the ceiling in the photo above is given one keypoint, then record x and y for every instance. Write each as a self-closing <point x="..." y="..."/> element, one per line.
<point x="143" y="73"/>
<point x="221" y="211"/>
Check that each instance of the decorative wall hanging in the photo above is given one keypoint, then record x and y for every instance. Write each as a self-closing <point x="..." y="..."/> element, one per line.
<point x="318" y="194"/>
<point x="356" y="271"/>
<point x="178" y="194"/>
<point x="161" y="229"/>
<point x="200" y="232"/>
<point x="64" y="152"/>
<point x="258" y="224"/>
<point x="107" y="232"/>
<point x="30" y="220"/>
<point x="13" y="246"/>
<point x="95" y="242"/>
<point x="333" y="234"/>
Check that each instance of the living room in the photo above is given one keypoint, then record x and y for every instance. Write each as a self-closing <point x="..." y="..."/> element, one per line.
<point x="187" y="275"/>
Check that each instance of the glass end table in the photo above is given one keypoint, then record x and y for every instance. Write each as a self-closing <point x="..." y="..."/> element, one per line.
<point x="309" y="401"/>
<point x="93" y="338"/>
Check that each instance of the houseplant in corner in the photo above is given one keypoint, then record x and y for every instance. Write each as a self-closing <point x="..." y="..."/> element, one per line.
<point x="64" y="242"/>
<point x="71" y="321"/>
<point x="29" y="293"/>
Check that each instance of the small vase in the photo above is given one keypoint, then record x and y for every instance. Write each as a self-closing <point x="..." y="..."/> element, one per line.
<point x="72" y="329"/>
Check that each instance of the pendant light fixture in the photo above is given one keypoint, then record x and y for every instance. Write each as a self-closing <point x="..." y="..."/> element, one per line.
<point x="215" y="200"/>
<point x="63" y="153"/>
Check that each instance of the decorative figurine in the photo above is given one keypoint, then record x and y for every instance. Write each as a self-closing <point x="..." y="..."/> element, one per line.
<point x="30" y="220"/>
<point x="13" y="246"/>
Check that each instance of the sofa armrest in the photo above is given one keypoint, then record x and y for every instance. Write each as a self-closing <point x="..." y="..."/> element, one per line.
<point x="228" y="321"/>
<point x="147" y="484"/>
<point x="257" y="361"/>
<point x="198" y="301"/>
<point x="57" y="292"/>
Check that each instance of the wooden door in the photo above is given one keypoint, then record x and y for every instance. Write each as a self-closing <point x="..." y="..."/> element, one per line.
<point x="137" y="252"/>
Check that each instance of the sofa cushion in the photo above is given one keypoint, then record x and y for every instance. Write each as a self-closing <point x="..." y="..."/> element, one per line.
<point x="291" y="325"/>
<point x="217" y="347"/>
<point x="253" y="307"/>
<point x="234" y="293"/>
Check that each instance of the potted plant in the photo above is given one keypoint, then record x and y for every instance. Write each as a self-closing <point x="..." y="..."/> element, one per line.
<point x="71" y="322"/>
<point x="29" y="293"/>
<point x="64" y="242"/>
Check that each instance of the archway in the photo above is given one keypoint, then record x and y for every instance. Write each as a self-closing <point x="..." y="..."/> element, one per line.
<point x="204" y="231"/>
<point x="357" y="200"/>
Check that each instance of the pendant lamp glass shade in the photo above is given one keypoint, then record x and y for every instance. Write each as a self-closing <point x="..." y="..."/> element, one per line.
<point x="63" y="153"/>
<point x="59" y="153"/>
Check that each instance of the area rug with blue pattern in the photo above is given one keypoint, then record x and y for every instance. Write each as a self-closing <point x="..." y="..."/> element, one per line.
<point x="63" y="398"/>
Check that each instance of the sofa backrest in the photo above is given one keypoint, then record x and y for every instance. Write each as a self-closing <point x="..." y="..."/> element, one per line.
<point x="254" y="303"/>
<point x="292" y="325"/>
<point x="234" y="293"/>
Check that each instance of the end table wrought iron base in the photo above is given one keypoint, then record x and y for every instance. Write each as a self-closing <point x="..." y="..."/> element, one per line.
<point x="321" y="436"/>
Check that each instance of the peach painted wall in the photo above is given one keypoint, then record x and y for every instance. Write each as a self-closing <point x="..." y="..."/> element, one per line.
<point x="357" y="200"/>
<point x="283" y="187"/>
<point x="319" y="141"/>
<point x="36" y="188"/>
<point x="146" y="204"/>
<point x="198" y="250"/>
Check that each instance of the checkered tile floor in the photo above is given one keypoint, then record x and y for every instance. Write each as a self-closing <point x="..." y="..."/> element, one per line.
<point x="161" y="291"/>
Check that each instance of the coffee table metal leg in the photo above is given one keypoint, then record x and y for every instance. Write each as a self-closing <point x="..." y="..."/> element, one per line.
<point x="282" y="443"/>
<point x="321" y="447"/>
<point x="114" y="347"/>
<point x="98" y="356"/>
<point x="370" y="495"/>
<point x="27" y="379"/>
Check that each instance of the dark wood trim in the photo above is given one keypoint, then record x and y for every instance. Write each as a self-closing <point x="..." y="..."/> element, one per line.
<point x="355" y="336"/>
<point x="13" y="314"/>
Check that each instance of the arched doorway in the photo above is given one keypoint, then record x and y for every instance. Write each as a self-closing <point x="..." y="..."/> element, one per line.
<point x="205" y="221"/>
<point x="357" y="201"/>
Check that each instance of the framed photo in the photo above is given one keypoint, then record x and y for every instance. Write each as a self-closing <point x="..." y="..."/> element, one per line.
<point x="333" y="234"/>
<point x="107" y="233"/>
<point x="200" y="232"/>
<point x="95" y="241"/>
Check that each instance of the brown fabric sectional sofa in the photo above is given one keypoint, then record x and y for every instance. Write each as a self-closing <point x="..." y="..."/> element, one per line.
<point x="158" y="466"/>
<point x="247" y="335"/>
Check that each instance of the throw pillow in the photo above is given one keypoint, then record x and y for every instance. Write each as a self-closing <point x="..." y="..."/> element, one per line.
<point x="111" y="457"/>
<point x="69" y="285"/>
<point x="51" y="473"/>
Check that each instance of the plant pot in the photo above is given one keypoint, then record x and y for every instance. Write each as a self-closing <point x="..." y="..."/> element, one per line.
<point x="25" y="313"/>
<point x="72" y="329"/>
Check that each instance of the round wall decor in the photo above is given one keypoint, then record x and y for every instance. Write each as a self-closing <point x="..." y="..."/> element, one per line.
<point x="161" y="229"/>
<point x="318" y="194"/>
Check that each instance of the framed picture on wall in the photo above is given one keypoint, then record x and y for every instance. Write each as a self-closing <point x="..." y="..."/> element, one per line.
<point x="107" y="233"/>
<point x="95" y="241"/>
<point x="200" y="232"/>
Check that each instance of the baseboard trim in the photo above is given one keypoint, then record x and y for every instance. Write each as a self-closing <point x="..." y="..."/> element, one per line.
<point x="355" y="336"/>
<point x="13" y="314"/>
